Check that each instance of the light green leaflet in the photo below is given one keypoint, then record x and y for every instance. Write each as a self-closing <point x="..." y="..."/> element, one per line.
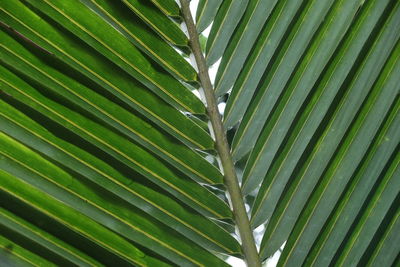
<point x="116" y="146"/>
<point x="92" y="29"/>
<point x="257" y="62"/>
<point x="273" y="85"/>
<point x="12" y="254"/>
<point x="165" y="27"/>
<point x="206" y="11"/>
<point x="100" y="206"/>
<point x="142" y="36"/>
<point x="128" y="187"/>
<point x="318" y="106"/>
<point x="317" y="56"/>
<point x="168" y="7"/>
<point x="241" y="43"/>
<point x="384" y="197"/>
<point x="127" y="123"/>
<point x="73" y="220"/>
<point x="293" y="201"/>
<point x="388" y="248"/>
<point x="228" y="16"/>
<point x="354" y="197"/>
<point x="85" y="60"/>
<point x="345" y="163"/>
<point x="67" y="253"/>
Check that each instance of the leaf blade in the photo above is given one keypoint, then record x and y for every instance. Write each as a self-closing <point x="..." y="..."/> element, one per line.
<point x="129" y="188"/>
<point x="326" y="145"/>
<point x="127" y="152"/>
<point x="113" y="80"/>
<point x="241" y="43"/>
<point x="228" y="16"/>
<point x="316" y="111"/>
<point x="86" y="25"/>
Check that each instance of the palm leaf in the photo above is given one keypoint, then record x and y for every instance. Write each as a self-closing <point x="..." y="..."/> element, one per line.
<point x="108" y="157"/>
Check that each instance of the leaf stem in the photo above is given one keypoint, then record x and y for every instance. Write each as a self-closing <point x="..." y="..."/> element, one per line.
<point x="230" y="179"/>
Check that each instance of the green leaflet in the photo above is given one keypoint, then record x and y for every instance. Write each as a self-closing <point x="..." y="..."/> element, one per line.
<point x="130" y="188"/>
<point x="65" y="253"/>
<point x="116" y="146"/>
<point x="257" y="61"/>
<point x="357" y="192"/>
<point x="206" y="11"/>
<point x="168" y="7"/>
<point x="296" y="195"/>
<point x="133" y="28"/>
<point x="314" y="113"/>
<point x="388" y="248"/>
<point x="317" y="56"/>
<point x="12" y="254"/>
<point x="112" y="79"/>
<point x="165" y="27"/>
<point x="127" y="123"/>
<point x="228" y="16"/>
<point x="273" y="85"/>
<point x="109" y="210"/>
<point x="345" y="164"/>
<point x="73" y="220"/>
<point x="241" y="43"/>
<point x="88" y="26"/>
<point x="383" y="198"/>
